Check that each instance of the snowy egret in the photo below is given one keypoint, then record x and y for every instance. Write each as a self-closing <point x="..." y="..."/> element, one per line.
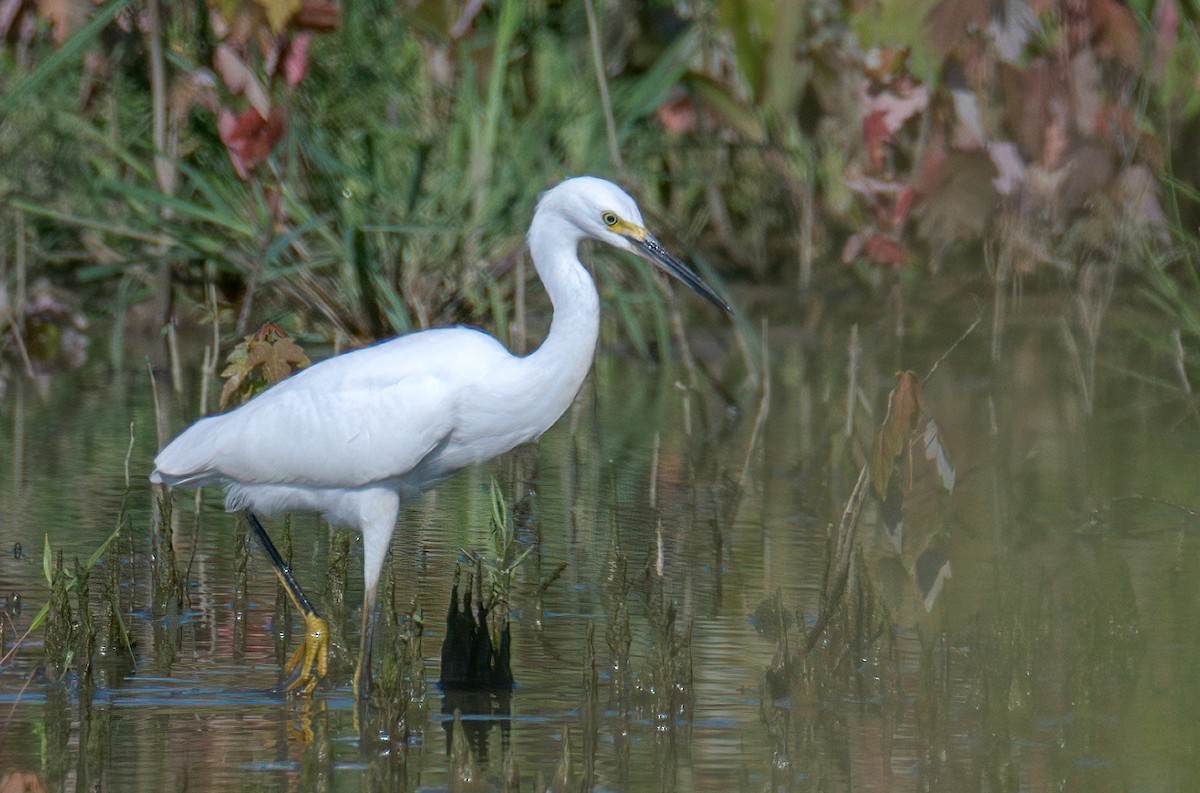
<point x="353" y="436"/>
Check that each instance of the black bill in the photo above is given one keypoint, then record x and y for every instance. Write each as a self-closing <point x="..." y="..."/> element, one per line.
<point x="653" y="250"/>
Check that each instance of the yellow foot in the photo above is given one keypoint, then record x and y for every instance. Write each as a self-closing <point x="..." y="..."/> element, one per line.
<point x="313" y="652"/>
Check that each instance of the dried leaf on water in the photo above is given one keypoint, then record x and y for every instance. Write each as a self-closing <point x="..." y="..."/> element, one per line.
<point x="904" y="405"/>
<point x="265" y="357"/>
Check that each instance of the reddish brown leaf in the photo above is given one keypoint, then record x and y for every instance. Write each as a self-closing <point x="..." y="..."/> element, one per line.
<point x="904" y="405"/>
<point x="904" y="203"/>
<point x="249" y="137"/>
<point x="929" y="169"/>
<point x="319" y="16"/>
<point x="884" y="250"/>
<point x="295" y="60"/>
<point x="875" y="134"/>
<point x="886" y="113"/>
<point x="678" y="114"/>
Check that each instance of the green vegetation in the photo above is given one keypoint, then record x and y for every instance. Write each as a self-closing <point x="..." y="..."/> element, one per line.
<point x="360" y="170"/>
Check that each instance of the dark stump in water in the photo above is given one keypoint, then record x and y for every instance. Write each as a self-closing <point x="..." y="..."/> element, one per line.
<point x="471" y="659"/>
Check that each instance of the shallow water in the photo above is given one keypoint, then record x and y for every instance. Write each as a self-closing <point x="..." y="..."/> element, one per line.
<point x="1060" y="655"/>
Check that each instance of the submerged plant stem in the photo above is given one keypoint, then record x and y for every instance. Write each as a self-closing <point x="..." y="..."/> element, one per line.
<point x="764" y="408"/>
<point x="838" y="571"/>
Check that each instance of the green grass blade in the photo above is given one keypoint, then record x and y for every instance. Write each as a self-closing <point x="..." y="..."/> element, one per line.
<point x="95" y="557"/>
<point x="510" y="20"/>
<point x="71" y="49"/>
<point x="86" y="131"/>
<point x="228" y="219"/>
<point x="633" y="100"/>
<point x="125" y="640"/>
<point x="631" y="321"/>
<point x="206" y="187"/>
<point x="40" y="617"/>
<point x="92" y="223"/>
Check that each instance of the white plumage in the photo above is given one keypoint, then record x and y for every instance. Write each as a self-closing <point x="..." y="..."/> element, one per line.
<point x="352" y="436"/>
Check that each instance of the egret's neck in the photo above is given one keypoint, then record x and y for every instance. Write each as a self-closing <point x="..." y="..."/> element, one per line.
<point x="560" y="365"/>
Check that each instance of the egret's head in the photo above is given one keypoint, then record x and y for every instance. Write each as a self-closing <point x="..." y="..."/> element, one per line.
<point x="597" y="208"/>
<point x="603" y="211"/>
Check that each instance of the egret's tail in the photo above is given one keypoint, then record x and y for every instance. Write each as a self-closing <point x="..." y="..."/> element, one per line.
<point x="188" y="460"/>
<point x="160" y="477"/>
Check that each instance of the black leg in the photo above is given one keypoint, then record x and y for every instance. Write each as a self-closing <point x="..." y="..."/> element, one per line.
<point x="310" y="661"/>
<point x="281" y="568"/>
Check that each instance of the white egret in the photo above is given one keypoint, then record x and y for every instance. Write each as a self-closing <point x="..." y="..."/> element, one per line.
<point x="354" y="435"/>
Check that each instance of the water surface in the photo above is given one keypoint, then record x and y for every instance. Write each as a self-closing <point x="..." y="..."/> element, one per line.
<point x="1061" y="654"/>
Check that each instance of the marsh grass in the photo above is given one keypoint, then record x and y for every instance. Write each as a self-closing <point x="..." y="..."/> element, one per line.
<point x="416" y="143"/>
<point x="381" y="210"/>
<point x="80" y="630"/>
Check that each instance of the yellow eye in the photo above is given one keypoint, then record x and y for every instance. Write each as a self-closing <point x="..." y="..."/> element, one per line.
<point x="610" y="218"/>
